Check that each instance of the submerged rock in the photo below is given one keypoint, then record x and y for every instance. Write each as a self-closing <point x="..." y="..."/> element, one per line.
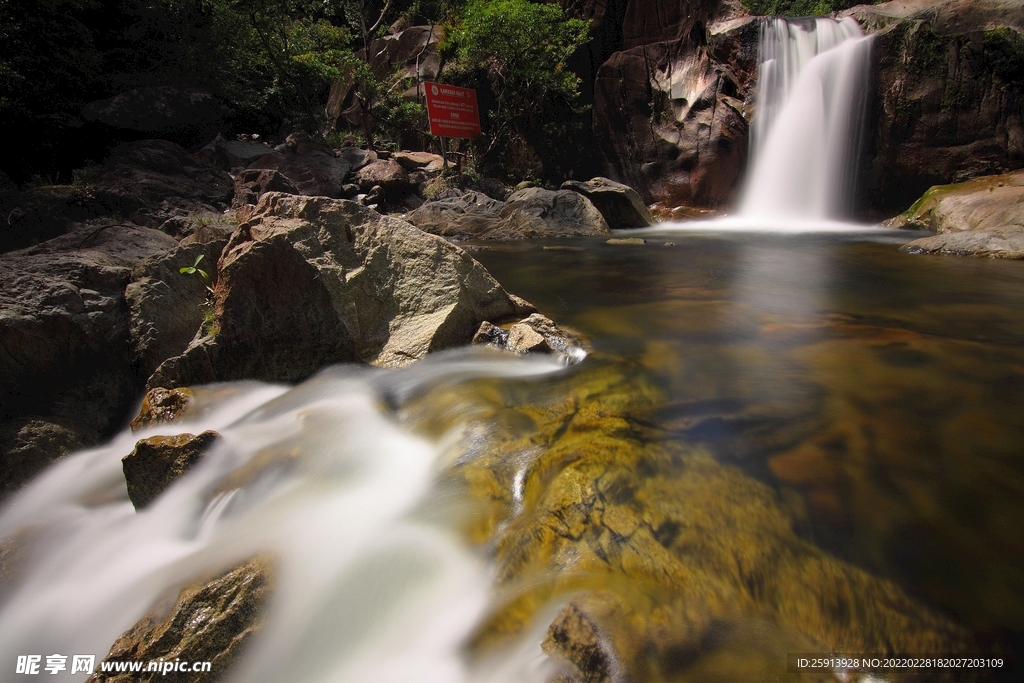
<point x="347" y="285"/>
<point x="211" y="621"/>
<point x="982" y="217"/>
<point x="156" y="462"/>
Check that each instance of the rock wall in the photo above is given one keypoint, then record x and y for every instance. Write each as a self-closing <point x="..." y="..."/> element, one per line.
<point x="947" y="98"/>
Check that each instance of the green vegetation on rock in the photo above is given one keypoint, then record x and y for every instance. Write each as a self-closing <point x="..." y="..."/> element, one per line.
<point x="799" y="8"/>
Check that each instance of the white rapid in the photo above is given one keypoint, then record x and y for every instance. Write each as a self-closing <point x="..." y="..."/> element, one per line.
<point x="370" y="582"/>
<point x="813" y="83"/>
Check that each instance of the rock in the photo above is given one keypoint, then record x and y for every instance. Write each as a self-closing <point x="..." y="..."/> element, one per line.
<point x="670" y="115"/>
<point x="991" y="242"/>
<point x="147" y="182"/>
<point x="211" y="621"/>
<point x="576" y="637"/>
<point x="166" y="307"/>
<point x="620" y="205"/>
<point x="628" y="241"/>
<point x="348" y="285"/>
<point x="32" y="444"/>
<point x="534" y="334"/>
<point x="186" y="116"/>
<point x="564" y="213"/>
<point x="412" y="161"/>
<point x="466" y="216"/>
<point x="356" y="157"/>
<point x="158" y="461"/>
<point x="981" y="217"/>
<point x="316" y="173"/>
<point x="161" y="405"/>
<point x="64" y="328"/>
<point x="947" y="96"/>
<point x="301" y="142"/>
<point x="228" y="155"/>
<point x="391" y="177"/>
<point x="523" y="339"/>
<point x="253" y="183"/>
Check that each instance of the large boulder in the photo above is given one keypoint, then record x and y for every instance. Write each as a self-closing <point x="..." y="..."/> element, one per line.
<point x="387" y="174"/>
<point x="183" y="115"/>
<point x="947" y="96"/>
<point x="562" y="213"/>
<point x="66" y="364"/>
<point x="620" y="205"/>
<point x="233" y="154"/>
<point x="149" y="182"/>
<point x="211" y="621"/>
<point x="671" y="115"/>
<point x="468" y="215"/>
<point x="253" y="183"/>
<point x="314" y="173"/>
<point x="168" y="307"/>
<point x="309" y="281"/>
<point x="982" y="217"/>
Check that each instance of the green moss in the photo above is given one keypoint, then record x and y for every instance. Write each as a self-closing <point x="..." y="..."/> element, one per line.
<point x="1003" y="55"/>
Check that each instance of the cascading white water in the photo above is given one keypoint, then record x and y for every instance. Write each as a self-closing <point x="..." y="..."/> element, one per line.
<point x="366" y="587"/>
<point x="813" y="82"/>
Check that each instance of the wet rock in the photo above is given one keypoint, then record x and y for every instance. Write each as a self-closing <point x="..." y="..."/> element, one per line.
<point x="228" y="155"/>
<point x="166" y="307"/>
<point x="253" y="183"/>
<point x="349" y="285"/>
<point x="947" y="96"/>
<point x="469" y="215"/>
<point x="315" y="173"/>
<point x="575" y="637"/>
<point x="991" y="242"/>
<point x="158" y="461"/>
<point x="626" y="241"/>
<point x="537" y="212"/>
<point x="161" y="405"/>
<point x="620" y="205"/>
<point x="186" y="116"/>
<point x="211" y="621"/>
<point x="31" y="444"/>
<point x="534" y="334"/>
<point x="64" y="328"/>
<point x="388" y="174"/>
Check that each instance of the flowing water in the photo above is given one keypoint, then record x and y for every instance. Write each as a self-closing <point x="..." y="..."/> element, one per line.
<point x="812" y="84"/>
<point x="871" y="403"/>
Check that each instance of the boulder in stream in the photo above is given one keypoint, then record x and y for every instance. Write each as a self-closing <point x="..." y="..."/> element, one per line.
<point x="310" y="281"/>
<point x="620" y="204"/>
<point x="981" y="217"/>
<point x="157" y="461"/>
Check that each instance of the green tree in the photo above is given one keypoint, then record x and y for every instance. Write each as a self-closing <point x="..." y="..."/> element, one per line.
<point x="522" y="48"/>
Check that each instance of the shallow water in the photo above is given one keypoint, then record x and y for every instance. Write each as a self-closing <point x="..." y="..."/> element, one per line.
<point x="429" y="523"/>
<point x="880" y="394"/>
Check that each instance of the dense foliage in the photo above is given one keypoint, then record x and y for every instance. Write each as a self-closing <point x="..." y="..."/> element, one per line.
<point x="271" y="64"/>
<point x="519" y="51"/>
<point x="800" y="8"/>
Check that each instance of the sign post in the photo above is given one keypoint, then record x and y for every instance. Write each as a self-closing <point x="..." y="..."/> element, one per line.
<point x="453" y="113"/>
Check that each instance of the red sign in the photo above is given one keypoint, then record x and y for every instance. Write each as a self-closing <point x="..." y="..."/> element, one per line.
<point x="453" y="112"/>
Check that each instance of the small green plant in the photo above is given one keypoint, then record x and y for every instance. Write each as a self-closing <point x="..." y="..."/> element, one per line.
<point x="194" y="268"/>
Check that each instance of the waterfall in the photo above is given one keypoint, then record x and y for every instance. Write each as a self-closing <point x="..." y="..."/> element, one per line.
<point x="368" y="584"/>
<point x="807" y="128"/>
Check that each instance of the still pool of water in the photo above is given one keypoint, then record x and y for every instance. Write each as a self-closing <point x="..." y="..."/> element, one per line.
<point x="880" y="394"/>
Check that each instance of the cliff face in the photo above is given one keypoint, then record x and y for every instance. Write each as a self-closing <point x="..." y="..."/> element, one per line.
<point x="948" y="96"/>
<point x="668" y="103"/>
<point x="673" y="96"/>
